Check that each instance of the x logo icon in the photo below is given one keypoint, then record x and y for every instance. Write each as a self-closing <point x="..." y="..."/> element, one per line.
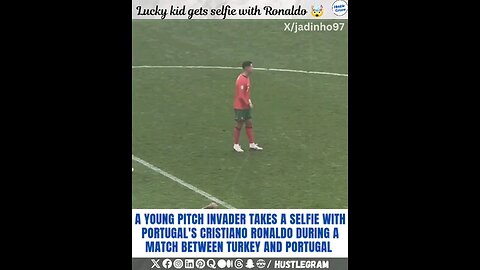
<point x="155" y="263"/>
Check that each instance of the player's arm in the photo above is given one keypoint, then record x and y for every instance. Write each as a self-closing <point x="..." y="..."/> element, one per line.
<point x="211" y="205"/>
<point x="246" y="100"/>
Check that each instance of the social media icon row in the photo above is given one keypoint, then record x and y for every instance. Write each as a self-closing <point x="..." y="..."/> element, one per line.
<point x="260" y="264"/>
<point x="179" y="263"/>
<point x="210" y="263"/>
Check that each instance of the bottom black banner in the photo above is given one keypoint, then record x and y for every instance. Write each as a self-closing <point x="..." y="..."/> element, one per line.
<point x="240" y="263"/>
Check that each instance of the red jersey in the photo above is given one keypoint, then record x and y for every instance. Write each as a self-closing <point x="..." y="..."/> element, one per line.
<point x="242" y="93"/>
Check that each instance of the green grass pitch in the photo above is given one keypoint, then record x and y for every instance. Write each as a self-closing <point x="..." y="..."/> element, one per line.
<point x="183" y="118"/>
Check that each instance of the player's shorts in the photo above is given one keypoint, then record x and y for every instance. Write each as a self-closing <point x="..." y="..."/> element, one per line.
<point x="243" y="114"/>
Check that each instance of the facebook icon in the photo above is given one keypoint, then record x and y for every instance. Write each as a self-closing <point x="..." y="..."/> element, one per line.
<point x="167" y="263"/>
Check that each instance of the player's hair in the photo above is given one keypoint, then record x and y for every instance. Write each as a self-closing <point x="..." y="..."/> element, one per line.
<point x="246" y="64"/>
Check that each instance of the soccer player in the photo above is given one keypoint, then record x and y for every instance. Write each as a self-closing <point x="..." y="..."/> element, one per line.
<point x="242" y="106"/>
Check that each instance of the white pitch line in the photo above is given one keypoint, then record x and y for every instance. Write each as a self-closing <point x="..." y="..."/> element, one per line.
<point x="256" y="68"/>
<point x="181" y="182"/>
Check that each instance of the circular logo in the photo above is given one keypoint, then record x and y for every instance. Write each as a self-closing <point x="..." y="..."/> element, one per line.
<point x="339" y="7"/>
<point x="178" y="263"/>
<point x="211" y="263"/>
<point x="221" y="263"/>
<point x="167" y="263"/>
<point x="200" y="263"/>
<point x="261" y="263"/>
<point x="239" y="263"/>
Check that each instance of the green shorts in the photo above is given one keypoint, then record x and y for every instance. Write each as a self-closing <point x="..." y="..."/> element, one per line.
<point x="243" y="115"/>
